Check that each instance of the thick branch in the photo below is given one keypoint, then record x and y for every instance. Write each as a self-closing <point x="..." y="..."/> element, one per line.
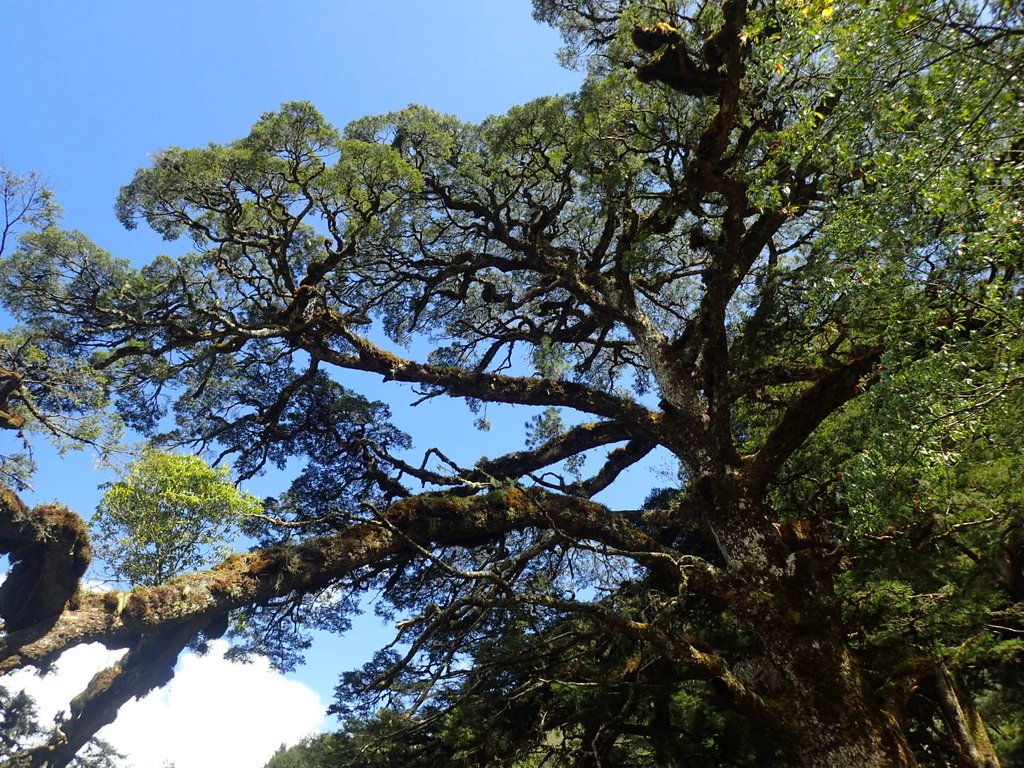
<point x="156" y="623"/>
<point x="148" y="665"/>
<point x="577" y="440"/>
<point x="49" y="551"/>
<point x="489" y="387"/>
<point x="120" y="619"/>
<point x="806" y="413"/>
<point x="618" y="461"/>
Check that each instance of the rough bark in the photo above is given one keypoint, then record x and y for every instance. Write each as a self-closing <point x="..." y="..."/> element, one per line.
<point x="784" y="591"/>
<point x="967" y="730"/>
<point x="49" y="551"/>
<point x="836" y="719"/>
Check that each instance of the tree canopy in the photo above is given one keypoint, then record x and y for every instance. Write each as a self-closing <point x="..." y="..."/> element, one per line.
<point x="780" y="241"/>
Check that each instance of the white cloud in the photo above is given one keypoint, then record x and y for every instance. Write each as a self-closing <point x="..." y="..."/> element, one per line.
<point x="214" y="713"/>
<point x="69" y="677"/>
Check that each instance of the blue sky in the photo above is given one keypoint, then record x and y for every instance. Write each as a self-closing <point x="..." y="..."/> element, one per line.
<point x="92" y="88"/>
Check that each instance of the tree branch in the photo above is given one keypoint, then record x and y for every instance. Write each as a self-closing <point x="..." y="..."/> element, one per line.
<point x="49" y="551"/>
<point x="806" y="413"/>
<point x="489" y="387"/>
<point x="119" y="619"/>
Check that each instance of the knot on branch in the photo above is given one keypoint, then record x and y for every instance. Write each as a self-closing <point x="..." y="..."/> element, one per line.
<point x="673" y="63"/>
<point x="650" y="39"/>
<point x="49" y="551"/>
<point x="10" y="390"/>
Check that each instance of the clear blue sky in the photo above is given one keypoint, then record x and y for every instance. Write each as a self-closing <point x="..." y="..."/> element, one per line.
<point x="92" y="88"/>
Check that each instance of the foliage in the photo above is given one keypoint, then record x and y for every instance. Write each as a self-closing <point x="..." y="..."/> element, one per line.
<point x="40" y="390"/>
<point x="168" y="514"/>
<point x="778" y="241"/>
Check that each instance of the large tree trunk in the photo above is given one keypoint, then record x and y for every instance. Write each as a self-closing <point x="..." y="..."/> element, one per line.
<point x="784" y="591"/>
<point x="835" y="719"/>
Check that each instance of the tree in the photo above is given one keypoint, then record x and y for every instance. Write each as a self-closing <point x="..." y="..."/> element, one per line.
<point x="168" y="514"/>
<point x="778" y="240"/>
<point x="41" y="390"/>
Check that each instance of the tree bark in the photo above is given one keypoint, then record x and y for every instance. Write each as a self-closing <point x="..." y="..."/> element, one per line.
<point x="836" y="719"/>
<point x="784" y="590"/>
<point x="966" y="729"/>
